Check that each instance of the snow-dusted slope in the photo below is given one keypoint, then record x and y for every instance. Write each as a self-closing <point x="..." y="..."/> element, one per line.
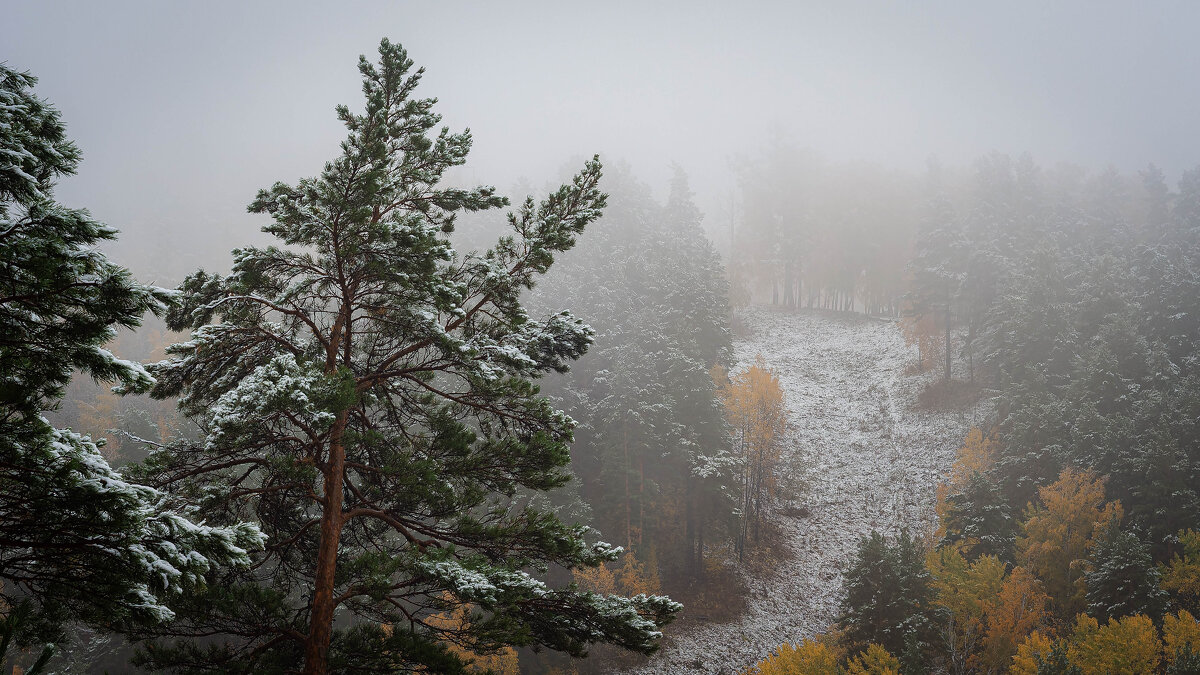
<point x="871" y="460"/>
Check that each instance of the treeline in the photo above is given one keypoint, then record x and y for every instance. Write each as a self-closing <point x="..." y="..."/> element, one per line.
<point x="812" y="233"/>
<point x="1067" y="530"/>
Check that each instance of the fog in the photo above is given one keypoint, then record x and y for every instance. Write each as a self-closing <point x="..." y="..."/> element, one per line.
<point x="183" y="111"/>
<point x="881" y="338"/>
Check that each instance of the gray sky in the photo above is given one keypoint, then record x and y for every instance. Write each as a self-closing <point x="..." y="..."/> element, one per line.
<point x="184" y="110"/>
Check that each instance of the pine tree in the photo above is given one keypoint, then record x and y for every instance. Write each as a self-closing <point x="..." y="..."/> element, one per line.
<point x="78" y="541"/>
<point x="979" y="520"/>
<point x="368" y="395"/>
<point x="889" y="599"/>
<point x="1121" y="579"/>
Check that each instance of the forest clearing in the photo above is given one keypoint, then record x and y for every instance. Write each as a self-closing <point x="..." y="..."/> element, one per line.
<point x="865" y="456"/>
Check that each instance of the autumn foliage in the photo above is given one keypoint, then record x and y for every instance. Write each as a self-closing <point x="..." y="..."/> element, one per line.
<point x="754" y="408"/>
<point x="1071" y="516"/>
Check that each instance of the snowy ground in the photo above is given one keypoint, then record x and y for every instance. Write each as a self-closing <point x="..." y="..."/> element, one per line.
<point x="871" y="461"/>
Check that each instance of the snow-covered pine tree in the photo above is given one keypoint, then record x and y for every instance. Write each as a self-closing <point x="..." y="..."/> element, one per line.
<point x="1121" y="578"/>
<point x="78" y="541"/>
<point x="979" y="520"/>
<point x="367" y="394"/>
<point x="889" y="598"/>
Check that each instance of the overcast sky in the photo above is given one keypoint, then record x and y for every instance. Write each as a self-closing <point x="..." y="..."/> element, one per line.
<point x="184" y="110"/>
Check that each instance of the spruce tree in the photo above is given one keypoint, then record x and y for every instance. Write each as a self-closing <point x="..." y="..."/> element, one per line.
<point x="888" y="598"/>
<point x="78" y="541"/>
<point x="1122" y="579"/>
<point x="368" y="395"/>
<point x="979" y="517"/>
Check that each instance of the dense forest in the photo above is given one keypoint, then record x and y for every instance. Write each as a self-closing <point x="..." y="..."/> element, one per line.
<point x="417" y="423"/>
<point x="1066" y="536"/>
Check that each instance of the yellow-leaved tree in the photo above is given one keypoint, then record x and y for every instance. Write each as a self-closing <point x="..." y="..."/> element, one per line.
<point x="875" y="660"/>
<point x="754" y="407"/>
<point x="1180" y="631"/>
<point x="1034" y="648"/>
<point x="926" y="332"/>
<point x="976" y="455"/>
<point x="1058" y="533"/>
<point x="1181" y="577"/>
<point x="810" y="657"/>
<point x="1125" y="646"/>
<point x="1019" y="609"/>
<point x="965" y="592"/>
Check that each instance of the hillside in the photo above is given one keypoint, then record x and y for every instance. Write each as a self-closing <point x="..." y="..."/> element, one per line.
<point x="868" y="460"/>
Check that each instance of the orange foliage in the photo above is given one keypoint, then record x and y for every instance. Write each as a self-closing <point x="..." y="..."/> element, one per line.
<point x="454" y="624"/>
<point x="928" y="334"/>
<point x="632" y="577"/>
<point x="598" y="579"/>
<point x="1182" y="576"/>
<point x="1035" y="646"/>
<point x="977" y="455"/>
<point x="635" y="577"/>
<point x="1061" y="530"/>
<point x="966" y="593"/>
<point x="1018" y="610"/>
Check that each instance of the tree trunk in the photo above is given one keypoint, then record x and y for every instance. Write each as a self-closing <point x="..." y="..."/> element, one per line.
<point x="788" y="299"/>
<point x="320" y="622"/>
<point x="970" y="351"/>
<point x="947" y="339"/>
<point x="628" y="506"/>
<point x="689" y="523"/>
<point x="641" y="497"/>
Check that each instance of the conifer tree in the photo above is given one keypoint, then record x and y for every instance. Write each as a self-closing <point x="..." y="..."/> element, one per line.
<point x="979" y="520"/>
<point x="368" y="395"/>
<point x="1121" y="579"/>
<point x="889" y="598"/>
<point x="938" y="270"/>
<point x="78" y="541"/>
<point x="652" y="448"/>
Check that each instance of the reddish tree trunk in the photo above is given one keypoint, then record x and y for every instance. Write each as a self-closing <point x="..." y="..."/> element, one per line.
<point x="320" y="622"/>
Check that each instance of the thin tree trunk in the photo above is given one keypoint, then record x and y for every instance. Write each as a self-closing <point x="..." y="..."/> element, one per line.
<point x="689" y="523"/>
<point x="641" y="498"/>
<point x="628" y="506"/>
<point x="947" y="339"/>
<point x="971" y="351"/>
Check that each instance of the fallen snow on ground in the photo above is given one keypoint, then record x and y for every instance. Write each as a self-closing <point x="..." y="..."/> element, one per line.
<point x="871" y="462"/>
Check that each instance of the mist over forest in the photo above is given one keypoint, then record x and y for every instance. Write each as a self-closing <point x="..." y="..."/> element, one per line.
<point x="771" y="338"/>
